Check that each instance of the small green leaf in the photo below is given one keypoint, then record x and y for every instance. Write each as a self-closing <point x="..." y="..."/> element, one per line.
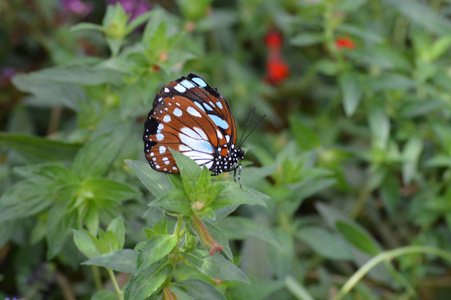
<point x="234" y="195"/>
<point x="215" y="266"/>
<point x="123" y="260"/>
<point x="86" y="243"/>
<point x="390" y="81"/>
<point x="307" y="39"/>
<point x="188" y="167"/>
<point x="146" y="282"/>
<point x="156" y="182"/>
<point x="351" y="89"/>
<point x="155" y="249"/>
<point x="86" y="26"/>
<point x="117" y="227"/>
<point x="358" y="238"/>
<point x="305" y="137"/>
<point x="175" y="202"/>
<point x="199" y="289"/>
<point x="324" y="243"/>
<point x="104" y="295"/>
<point x="411" y="155"/>
<point x="103" y="188"/>
<point x="379" y="123"/>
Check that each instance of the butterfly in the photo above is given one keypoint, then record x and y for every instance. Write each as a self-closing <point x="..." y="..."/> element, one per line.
<point x="190" y="116"/>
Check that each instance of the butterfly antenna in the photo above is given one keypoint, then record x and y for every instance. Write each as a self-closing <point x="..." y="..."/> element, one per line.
<point x="247" y="126"/>
<point x="255" y="127"/>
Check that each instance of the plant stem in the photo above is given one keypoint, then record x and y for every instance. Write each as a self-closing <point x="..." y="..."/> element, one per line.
<point x="96" y="275"/>
<point x="119" y="292"/>
<point x="385" y="256"/>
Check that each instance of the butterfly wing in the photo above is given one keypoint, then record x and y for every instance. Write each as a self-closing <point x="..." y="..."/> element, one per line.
<point x="191" y="117"/>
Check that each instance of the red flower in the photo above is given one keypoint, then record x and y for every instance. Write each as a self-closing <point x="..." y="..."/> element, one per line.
<point x="273" y="39"/>
<point x="344" y="42"/>
<point x="277" y="71"/>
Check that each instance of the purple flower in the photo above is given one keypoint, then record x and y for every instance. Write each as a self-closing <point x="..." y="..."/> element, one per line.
<point x="133" y="8"/>
<point x="76" y="7"/>
<point x="5" y="77"/>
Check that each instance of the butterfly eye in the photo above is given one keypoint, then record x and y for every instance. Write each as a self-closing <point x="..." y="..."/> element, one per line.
<point x="190" y="116"/>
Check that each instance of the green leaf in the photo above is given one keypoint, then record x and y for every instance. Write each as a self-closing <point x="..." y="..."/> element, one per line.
<point x="138" y="21"/>
<point x="40" y="149"/>
<point x="104" y="295"/>
<point x="123" y="260"/>
<point x="305" y="137"/>
<point x="103" y="188"/>
<point x="49" y="92"/>
<point x="215" y="266"/>
<point x="439" y="48"/>
<point x="146" y="282"/>
<point x="155" y="249"/>
<point x="411" y="155"/>
<point x="199" y="289"/>
<point x="174" y="202"/>
<point x="259" y="289"/>
<point x="379" y="125"/>
<point x="117" y="227"/>
<point x="81" y="73"/>
<point x="390" y="193"/>
<point x="86" y="243"/>
<point x="96" y="156"/>
<point x="358" y="238"/>
<point x="351" y="88"/>
<point x="324" y="243"/>
<point x="237" y="228"/>
<point x="234" y="195"/>
<point x="390" y="81"/>
<point x="156" y="182"/>
<point x="307" y="39"/>
<point x="422" y="15"/>
<point x="188" y="167"/>
<point x="27" y="197"/>
<point x="60" y="221"/>
<point x="86" y="26"/>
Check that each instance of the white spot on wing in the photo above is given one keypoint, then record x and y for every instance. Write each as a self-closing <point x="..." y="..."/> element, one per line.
<point x="199" y="105"/>
<point x="195" y="144"/>
<point x="160" y="137"/>
<point x="180" y="88"/>
<point x="162" y="149"/>
<point x="167" y="118"/>
<point x="219" y="104"/>
<point x="201" y="133"/>
<point x="177" y="112"/>
<point x="192" y="111"/>
<point x="199" y="81"/>
<point x="166" y="90"/>
<point x="220" y="136"/>
<point x="208" y="107"/>
<point x="219" y="122"/>
<point x="187" y="84"/>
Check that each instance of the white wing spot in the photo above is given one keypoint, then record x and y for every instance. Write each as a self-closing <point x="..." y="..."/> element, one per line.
<point x="219" y="122"/>
<point x="220" y="136"/>
<point x="167" y="162"/>
<point x="192" y="111"/>
<point x="167" y="118"/>
<point x="227" y="137"/>
<point x="201" y="133"/>
<point x="178" y="112"/>
<point x="208" y="107"/>
<point x="160" y="137"/>
<point x="166" y="90"/>
<point x="219" y="104"/>
<point x="160" y="126"/>
<point x="159" y="99"/>
<point x="199" y="105"/>
<point x="180" y="88"/>
<point x="187" y="84"/>
<point x="199" y="81"/>
<point x="162" y="149"/>
<point x="174" y="168"/>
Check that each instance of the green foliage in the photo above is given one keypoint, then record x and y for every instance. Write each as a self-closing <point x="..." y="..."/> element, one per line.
<point x="349" y="170"/>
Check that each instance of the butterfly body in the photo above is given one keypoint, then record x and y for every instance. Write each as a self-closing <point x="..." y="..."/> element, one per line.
<point x="191" y="117"/>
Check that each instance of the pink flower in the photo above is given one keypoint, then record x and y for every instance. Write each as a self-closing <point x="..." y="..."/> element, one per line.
<point x="133" y="8"/>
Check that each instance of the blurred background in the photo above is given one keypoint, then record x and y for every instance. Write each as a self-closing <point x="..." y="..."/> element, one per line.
<point x="355" y="150"/>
